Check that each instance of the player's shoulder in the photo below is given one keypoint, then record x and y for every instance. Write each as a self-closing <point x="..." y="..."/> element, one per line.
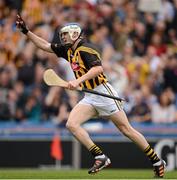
<point x="58" y="46"/>
<point x="59" y="50"/>
<point x="84" y="45"/>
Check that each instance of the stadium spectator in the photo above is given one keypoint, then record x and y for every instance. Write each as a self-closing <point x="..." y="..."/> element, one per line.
<point x="119" y="35"/>
<point x="158" y="43"/>
<point x="101" y="41"/>
<point x="140" y="39"/>
<point x="170" y="73"/>
<point x="20" y="101"/>
<point x="174" y="20"/>
<point x="153" y="59"/>
<point x="52" y="103"/>
<point x="32" y="109"/>
<point x="140" y="111"/>
<point x="65" y="108"/>
<point x="117" y="73"/>
<point x="164" y="111"/>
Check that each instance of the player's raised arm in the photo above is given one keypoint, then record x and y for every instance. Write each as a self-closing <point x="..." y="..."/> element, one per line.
<point x="39" y="42"/>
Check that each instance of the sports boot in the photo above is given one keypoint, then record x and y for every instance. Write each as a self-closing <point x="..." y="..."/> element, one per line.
<point x="99" y="164"/>
<point x="159" y="170"/>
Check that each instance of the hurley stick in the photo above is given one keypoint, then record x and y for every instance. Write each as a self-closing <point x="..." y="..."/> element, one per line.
<point x="52" y="79"/>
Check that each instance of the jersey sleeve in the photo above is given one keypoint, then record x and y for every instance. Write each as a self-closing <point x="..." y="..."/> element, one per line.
<point x="90" y="59"/>
<point x="59" y="50"/>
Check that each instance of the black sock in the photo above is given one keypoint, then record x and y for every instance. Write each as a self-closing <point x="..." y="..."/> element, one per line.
<point x="95" y="150"/>
<point x="151" y="155"/>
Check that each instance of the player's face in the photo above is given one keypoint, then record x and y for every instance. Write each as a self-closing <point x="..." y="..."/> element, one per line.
<point x="65" y="38"/>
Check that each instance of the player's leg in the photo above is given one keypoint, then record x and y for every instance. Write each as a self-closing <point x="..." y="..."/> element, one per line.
<point x="80" y="114"/>
<point x="120" y="120"/>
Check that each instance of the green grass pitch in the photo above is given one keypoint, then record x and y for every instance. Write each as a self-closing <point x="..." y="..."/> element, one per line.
<point x="80" y="174"/>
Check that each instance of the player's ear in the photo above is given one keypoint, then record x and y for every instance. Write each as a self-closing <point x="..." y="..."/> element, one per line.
<point x="75" y="35"/>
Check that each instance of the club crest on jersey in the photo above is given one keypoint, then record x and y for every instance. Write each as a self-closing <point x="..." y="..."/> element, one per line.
<point x="75" y="66"/>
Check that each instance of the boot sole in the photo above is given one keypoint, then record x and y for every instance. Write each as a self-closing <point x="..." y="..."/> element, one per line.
<point x="107" y="163"/>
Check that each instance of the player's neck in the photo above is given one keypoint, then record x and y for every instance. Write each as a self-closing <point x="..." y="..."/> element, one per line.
<point x="74" y="46"/>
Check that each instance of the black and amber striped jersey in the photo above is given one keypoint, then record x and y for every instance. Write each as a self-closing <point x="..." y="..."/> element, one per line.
<point x="82" y="60"/>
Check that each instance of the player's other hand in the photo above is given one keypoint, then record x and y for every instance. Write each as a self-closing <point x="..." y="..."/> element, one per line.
<point x="21" y="24"/>
<point x="73" y="84"/>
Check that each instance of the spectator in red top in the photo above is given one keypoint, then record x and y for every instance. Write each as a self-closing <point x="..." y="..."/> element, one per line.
<point x="158" y="44"/>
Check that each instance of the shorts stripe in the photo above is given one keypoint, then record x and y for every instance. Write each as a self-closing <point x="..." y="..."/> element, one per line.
<point x="111" y="93"/>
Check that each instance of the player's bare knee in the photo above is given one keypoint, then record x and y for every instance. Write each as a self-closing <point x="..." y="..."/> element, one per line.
<point x="71" y="126"/>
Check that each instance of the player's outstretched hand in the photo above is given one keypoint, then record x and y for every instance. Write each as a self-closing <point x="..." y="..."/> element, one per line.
<point x="20" y="23"/>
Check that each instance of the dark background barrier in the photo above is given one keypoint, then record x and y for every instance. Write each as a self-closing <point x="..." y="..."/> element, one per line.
<point x="30" y="153"/>
<point x="123" y="154"/>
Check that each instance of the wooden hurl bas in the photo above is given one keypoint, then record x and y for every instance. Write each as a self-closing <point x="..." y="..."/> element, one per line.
<point x="52" y="79"/>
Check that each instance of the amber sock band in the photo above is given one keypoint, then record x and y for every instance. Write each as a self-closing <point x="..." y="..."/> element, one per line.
<point x="151" y="155"/>
<point x="95" y="150"/>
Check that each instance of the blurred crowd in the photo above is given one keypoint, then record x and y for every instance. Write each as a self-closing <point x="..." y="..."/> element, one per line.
<point x="138" y="44"/>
